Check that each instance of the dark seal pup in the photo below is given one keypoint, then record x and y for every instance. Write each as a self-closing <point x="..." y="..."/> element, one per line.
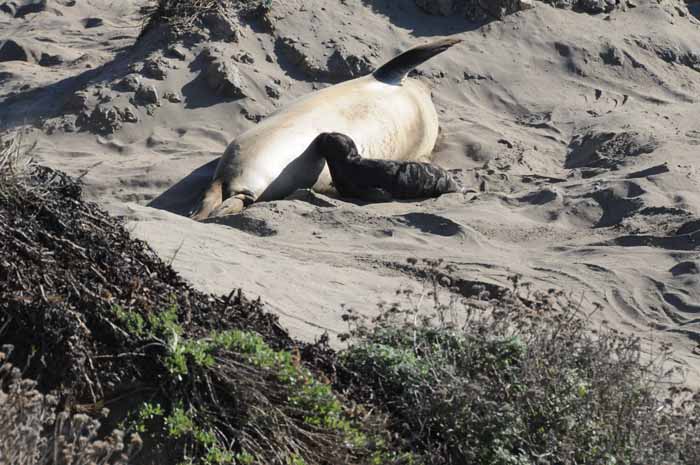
<point x="376" y="179"/>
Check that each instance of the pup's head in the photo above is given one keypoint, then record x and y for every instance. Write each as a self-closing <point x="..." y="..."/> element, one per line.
<point x="335" y="146"/>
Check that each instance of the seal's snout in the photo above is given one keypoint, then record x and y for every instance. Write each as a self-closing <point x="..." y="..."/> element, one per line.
<point x="330" y="141"/>
<point x="334" y="145"/>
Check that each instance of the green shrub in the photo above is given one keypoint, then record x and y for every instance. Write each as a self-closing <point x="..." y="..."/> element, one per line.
<point x="230" y="398"/>
<point x="517" y="381"/>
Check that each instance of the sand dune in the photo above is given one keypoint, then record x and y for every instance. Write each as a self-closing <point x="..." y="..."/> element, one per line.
<point x="578" y="133"/>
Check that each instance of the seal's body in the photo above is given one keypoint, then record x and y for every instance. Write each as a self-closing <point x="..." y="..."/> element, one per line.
<point x="386" y="115"/>
<point x="354" y="176"/>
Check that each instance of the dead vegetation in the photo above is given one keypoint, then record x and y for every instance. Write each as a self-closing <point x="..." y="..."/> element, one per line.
<point x="66" y="265"/>
<point x="97" y="318"/>
<point x="97" y="321"/>
<point x="33" y="432"/>
<point x="187" y="16"/>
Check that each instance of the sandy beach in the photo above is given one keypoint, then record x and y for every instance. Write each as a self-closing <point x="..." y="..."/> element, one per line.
<point x="578" y="134"/>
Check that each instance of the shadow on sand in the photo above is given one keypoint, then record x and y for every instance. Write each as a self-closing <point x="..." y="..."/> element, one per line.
<point x="47" y="101"/>
<point x="406" y="14"/>
<point x="182" y="198"/>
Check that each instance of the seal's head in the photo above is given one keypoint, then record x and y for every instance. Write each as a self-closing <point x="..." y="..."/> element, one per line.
<point x="334" y="146"/>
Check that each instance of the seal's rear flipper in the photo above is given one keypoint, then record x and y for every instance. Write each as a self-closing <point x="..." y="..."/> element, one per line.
<point x="396" y="69"/>
<point x="213" y="197"/>
<point x="230" y="206"/>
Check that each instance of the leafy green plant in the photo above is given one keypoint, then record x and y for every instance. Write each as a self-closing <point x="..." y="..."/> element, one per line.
<point x="516" y="381"/>
<point x="274" y="392"/>
<point x="133" y="321"/>
<point x="179" y="423"/>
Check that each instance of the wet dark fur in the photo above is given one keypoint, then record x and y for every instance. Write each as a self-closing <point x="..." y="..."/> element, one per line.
<point x="396" y="69"/>
<point x="354" y="176"/>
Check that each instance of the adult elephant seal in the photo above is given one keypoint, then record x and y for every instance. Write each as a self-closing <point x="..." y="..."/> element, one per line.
<point x="386" y="114"/>
<point x="380" y="180"/>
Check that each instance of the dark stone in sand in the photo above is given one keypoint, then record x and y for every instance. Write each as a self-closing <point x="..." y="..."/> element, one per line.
<point x="343" y="65"/>
<point x="77" y="102"/>
<point x="155" y="68"/>
<point x="11" y="50"/>
<point x="104" y="120"/>
<point x="93" y="22"/>
<point x="20" y="8"/>
<point x="222" y="76"/>
<point x="50" y="60"/>
<point x="128" y="114"/>
<point x="246" y="58"/>
<point x="273" y="91"/>
<point x="147" y="95"/>
<point x="612" y="55"/>
<point x="130" y="82"/>
<point x="173" y="97"/>
<point x="221" y="27"/>
<point x="607" y="149"/>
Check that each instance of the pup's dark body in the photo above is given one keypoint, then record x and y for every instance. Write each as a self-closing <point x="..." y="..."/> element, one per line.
<point x="354" y="176"/>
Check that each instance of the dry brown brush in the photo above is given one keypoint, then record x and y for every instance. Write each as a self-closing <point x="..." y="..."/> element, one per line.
<point x="33" y="432"/>
<point x="97" y="318"/>
<point x="183" y="17"/>
<point x="525" y="379"/>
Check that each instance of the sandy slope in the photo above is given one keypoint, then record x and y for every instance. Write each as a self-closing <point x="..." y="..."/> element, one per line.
<point x="579" y="132"/>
